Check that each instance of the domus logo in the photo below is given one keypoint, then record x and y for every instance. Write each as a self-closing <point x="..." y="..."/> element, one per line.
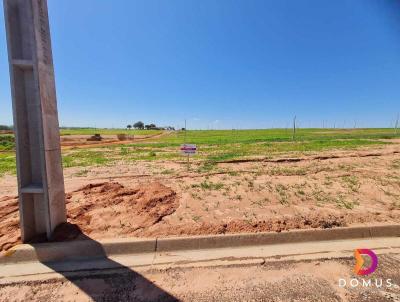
<point x="359" y="268"/>
<point x="363" y="267"/>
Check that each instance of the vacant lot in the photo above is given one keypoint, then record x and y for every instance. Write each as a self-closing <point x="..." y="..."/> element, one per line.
<point x="240" y="181"/>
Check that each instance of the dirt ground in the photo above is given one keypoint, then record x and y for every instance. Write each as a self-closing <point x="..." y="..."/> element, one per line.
<point x="311" y="281"/>
<point x="81" y="141"/>
<point x="166" y="198"/>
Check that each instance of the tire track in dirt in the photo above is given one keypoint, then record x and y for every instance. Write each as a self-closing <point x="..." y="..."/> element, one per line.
<point x="300" y="159"/>
<point x="111" y="143"/>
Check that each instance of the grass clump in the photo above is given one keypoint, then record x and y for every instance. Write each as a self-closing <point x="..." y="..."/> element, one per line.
<point x="287" y="171"/>
<point x="196" y="218"/>
<point x="209" y="185"/>
<point x="167" y="171"/>
<point x="341" y="202"/>
<point x="352" y="182"/>
<point x="396" y="164"/>
<point x="7" y="143"/>
<point x="283" y="195"/>
<point x="7" y="163"/>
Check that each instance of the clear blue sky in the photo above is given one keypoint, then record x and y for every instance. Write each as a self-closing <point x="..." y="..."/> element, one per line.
<point x="222" y="63"/>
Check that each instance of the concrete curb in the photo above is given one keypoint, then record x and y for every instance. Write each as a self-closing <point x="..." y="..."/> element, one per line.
<point x="75" y="250"/>
<point x="294" y="236"/>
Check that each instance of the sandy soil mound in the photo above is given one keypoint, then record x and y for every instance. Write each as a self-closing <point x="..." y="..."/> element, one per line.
<point x="324" y="190"/>
<point x="9" y="222"/>
<point x="103" y="210"/>
<point x="110" y="209"/>
<point x="317" y="220"/>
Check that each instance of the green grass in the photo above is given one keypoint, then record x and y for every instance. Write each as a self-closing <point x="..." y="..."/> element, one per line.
<point x="85" y="158"/>
<point x="6" y="142"/>
<point x="213" y="145"/>
<point x="82" y="158"/>
<point x="209" y="185"/>
<point x="214" y="153"/>
<point x="276" y="135"/>
<point x="351" y="182"/>
<point x="102" y="131"/>
<point x="7" y="163"/>
<point x="283" y="194"/>
<point x="287" y="171"/>
<point x="342" y="203"/>
<point x="220" y="145"/>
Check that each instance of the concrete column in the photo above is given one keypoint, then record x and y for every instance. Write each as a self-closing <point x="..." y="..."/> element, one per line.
<point x="39" y="166"/>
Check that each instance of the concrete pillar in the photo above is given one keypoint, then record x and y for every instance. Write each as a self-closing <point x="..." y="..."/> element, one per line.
<point x="39" y="166"/>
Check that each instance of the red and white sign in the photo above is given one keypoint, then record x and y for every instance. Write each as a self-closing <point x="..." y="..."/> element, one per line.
<point x="188" y="149"/>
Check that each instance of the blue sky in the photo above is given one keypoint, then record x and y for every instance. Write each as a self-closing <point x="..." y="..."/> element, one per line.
<point x="222" y="63"/>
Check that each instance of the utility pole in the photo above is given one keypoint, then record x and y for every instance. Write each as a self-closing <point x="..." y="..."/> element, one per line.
<point x="396" y="124"/>
<point x="294" y="128"/>
<point x="37" y="133"/>
<point x="185" y="133"/>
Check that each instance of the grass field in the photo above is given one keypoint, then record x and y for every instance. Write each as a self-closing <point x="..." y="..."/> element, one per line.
<point x="239" y="181"/>
<point x="213" y="145"/>
<point x="220" y="145"/>
<point x="278" y="135"/>
<point x="92" y="131"/>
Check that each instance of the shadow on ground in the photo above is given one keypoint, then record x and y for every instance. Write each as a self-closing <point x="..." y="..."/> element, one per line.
<point x="116" y="282"/>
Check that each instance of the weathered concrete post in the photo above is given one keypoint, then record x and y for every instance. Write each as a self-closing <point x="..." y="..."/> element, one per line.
<point x="39" y="167"/>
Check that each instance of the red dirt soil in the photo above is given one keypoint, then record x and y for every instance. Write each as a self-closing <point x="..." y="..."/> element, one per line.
<point x="9" y="222"/>
<point x="111" y="210"/>
<point x="99" y="210"/>
<point x="318" y="220"/>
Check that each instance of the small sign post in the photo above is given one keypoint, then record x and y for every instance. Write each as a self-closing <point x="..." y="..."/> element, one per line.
<point x="188" y="150"/>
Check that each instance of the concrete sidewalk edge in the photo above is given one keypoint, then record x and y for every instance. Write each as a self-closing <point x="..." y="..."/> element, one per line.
<point x="73" y="250"/>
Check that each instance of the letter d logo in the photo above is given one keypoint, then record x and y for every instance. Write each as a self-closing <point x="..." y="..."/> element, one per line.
<point x="358" y="269"/>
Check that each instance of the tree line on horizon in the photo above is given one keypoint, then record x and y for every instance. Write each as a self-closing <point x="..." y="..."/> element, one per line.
<point x="5" y="127"/>
<point x="142" y="126"/>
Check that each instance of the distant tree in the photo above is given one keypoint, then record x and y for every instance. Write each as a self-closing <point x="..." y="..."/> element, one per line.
<point x="150" y="126"/>
<point x="4" y="127"/>
<point x="138" y="125"/>
<point x="129" y="127"/>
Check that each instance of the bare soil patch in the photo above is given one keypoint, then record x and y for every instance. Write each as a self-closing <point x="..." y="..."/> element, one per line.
<point x="164" y="198"/>
<point x="9" y="222"/>
<point x="99" y="210"/>
<point x="242" y="226"/>
<point x="111" y="209"/>
<point x="311" y="280"/>
<point x="81" y="141"/>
